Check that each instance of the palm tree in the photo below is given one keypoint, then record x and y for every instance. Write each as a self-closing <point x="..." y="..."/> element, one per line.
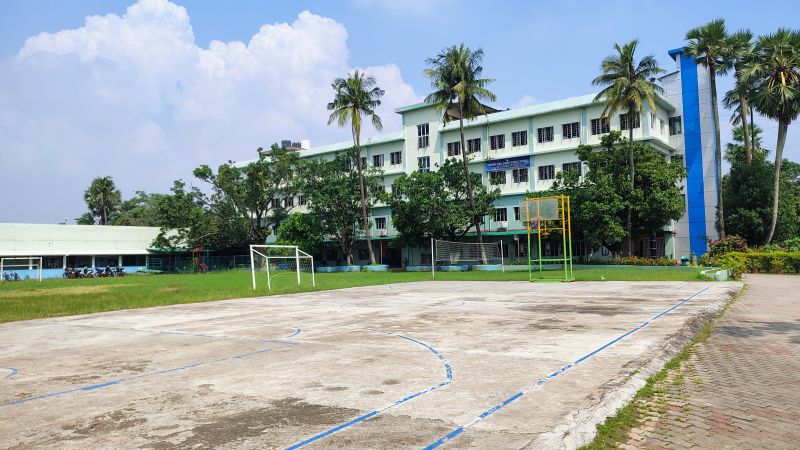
<point x="739" y="50"/>
<point x="775" y="74"/>
<point x="103" y="198"/>
<point x="356" y="97"/>
<point x="458" y="89"/>
<point x="628" y="85"/>
<point x="708" y="45"/>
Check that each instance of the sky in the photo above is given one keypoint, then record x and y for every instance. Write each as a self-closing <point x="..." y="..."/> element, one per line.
<point x="146" y="91"/>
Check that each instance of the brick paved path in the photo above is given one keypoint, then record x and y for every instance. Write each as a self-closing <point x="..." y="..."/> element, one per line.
<point x="741" y="387"/>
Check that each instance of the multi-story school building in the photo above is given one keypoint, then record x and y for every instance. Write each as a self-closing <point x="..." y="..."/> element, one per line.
<point x="521" y="150"/>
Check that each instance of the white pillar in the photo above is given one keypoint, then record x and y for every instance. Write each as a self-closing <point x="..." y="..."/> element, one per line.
<point x="92" y="261"/>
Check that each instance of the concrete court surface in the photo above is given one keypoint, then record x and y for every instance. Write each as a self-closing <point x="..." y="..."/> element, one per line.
<point x="461" y="364"/>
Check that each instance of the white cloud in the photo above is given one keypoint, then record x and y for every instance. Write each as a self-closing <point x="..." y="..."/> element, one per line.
<point x="134" y="97"/>
<point x="526" y="100"/>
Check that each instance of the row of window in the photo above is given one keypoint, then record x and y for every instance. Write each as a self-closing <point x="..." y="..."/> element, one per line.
<point x="289" y="202"/>
<point x="395" y="158"/>
<point x="571" y="130"/>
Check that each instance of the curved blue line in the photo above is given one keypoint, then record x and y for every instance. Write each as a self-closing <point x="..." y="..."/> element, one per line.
<point x="297" y="331"/>
<point x="11" y="373"/>
<point x="448" y="370"/>
<point x="558" y="372"/>
<point x="146" y="375"/>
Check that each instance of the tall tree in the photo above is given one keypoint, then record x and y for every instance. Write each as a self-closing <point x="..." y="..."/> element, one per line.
<point x="455" y="75"/>
<point x="138" y="210"/>
<point x="775" y="74"/>
<point x="628" y="86"/>
<point x="356" y="98"/>
<point x="435" y="204"/>
<point x="601" y="198"/>
<point x="184" y="219"/>
<point x="739" y="49"/>
<point x="332" y="196"/>
<point x="249" y="202"/>
<point x="709" y="45"/>
<point x="103" y="198"/>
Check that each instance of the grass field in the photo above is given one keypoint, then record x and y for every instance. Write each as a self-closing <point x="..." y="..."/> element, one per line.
<point x="57" y="297"/>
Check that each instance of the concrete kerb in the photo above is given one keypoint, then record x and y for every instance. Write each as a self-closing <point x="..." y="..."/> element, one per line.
<point x="580" y="428"/>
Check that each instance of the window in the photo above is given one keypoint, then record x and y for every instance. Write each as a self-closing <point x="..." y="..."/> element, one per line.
<point x="497" y="177"/>
<point x="576" y="166"/>
<point x="363" y="161"/>
<point x="501" y="214"/>
<point x="134" y="260"/>
<point x="520" y="175"/>
<point x="377" y="160"/>
<point x="54" y="262"/>
<point x="288" y="202"/>
<point x="516" y="213"/>
<point x="395" y="190"/>
<point x="570" y="130"/>
<point x="301" y="200"/>
<point x="579" y="248"/>
<point x="600" y="126"/>
<point x="425" y="258"/>
<point x="453" y="148"/>
<point x="276" y="203"/>
<point x="675" y="126"/>
<point x="685" y="205"/>
<point x="521" y="138"/>
<point x="547" y="172"/>
<point x="474" y="145"/>
<point x="424" y="164"/>
<point x="623" y="121"/>
<point x="396" y="158"/>
<point x="504" y="249"/>
<point x="544" y="134"/>
<point x="497" y="141"/>
<point x="380" y="223"/>
<point x="422" y="135"/>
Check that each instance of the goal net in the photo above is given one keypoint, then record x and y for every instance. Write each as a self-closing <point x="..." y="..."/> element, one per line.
<point x="20" y="268"/>
<point x="281" y="265"/>
<point x="465" y="253"/>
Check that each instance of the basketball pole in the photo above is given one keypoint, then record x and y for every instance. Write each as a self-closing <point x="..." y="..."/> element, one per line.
<point x="433" y="261"/>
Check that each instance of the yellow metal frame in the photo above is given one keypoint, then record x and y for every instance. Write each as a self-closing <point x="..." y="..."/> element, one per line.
<point x="562" y="224"/>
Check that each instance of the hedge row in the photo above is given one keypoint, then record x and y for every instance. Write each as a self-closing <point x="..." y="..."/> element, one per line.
<point x="755" y="262"/>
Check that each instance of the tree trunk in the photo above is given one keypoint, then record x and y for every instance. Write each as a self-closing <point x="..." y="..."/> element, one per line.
<point x="629" y="212"/>
<point x="748" y="145"/>
<point x="718" y="149"/>
<point x="475" y="219"/>
<point x="783" y="126"/>
<point x="364" y="214"/>
<point x="752" y="127"/>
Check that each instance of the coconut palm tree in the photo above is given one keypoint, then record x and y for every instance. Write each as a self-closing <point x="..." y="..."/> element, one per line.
<point x="709" y="46"/>
<point x="103" y="198"/>
<point x="628" y="86"/>
<point x="739" y="49"/>
<point x="775" y="74"/>
<point x="458" y="90"/>
<point x="356" y="98"/>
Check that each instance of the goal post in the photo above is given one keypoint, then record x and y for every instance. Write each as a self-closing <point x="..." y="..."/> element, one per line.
<point x="280" y="261"/>
<point x="11" y="263"/>
<point x="450" y="253"/>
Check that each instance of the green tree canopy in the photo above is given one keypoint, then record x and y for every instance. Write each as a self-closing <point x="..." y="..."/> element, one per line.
<point x="601" y="198"/>
<point x="184" y="219"/>
<point x="332" y="191"/>
<point x="303" y="230"/>
<point x="103" y="199"/>
<point x="435" y="204"/>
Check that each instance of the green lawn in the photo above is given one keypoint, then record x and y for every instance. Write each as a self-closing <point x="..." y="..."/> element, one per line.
<point x="58" y="297"/>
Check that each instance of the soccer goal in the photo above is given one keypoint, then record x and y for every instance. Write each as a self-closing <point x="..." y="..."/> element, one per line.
<point x="281" y="262"/>
<point x="449" y="253"/>
<point x="9" y="266"/>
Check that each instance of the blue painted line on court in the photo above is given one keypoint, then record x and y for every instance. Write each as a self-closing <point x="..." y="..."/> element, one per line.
<point x="11" y="372"/>
<point x="441" y="441"/>
<point x="448" y="379"/>
<point x="141" y="376"/>
<point x="297" y="331"/>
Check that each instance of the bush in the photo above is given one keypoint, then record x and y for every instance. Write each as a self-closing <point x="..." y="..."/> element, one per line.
<point x="730" y="243"/>
<point x="781" y="262"/>
<point x="792" y="245"/>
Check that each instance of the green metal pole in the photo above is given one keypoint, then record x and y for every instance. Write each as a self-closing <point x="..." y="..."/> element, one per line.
<point x="564" y="237"/>
<point x="569" y="231"/>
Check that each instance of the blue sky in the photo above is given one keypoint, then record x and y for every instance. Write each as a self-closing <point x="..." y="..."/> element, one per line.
<point x="113" y="96"/>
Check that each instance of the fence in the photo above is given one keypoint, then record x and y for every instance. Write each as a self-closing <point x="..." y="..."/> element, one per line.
<point x="186" y="263"/>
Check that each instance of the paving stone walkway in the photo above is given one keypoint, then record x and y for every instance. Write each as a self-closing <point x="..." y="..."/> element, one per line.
<point x="740" y="388"/>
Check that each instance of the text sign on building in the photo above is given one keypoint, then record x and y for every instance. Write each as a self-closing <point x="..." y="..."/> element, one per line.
<point x="508" y="163"/>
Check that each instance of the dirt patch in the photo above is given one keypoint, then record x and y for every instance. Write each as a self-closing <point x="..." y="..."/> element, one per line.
<point x="372" y="392"/>
<point x="170" y="289"/>
<point x="391" y="382"/>
<point x="72" y="290"/>
<point x="335" y="388"/>
<point x="105" y="423"/>
<point x="572" y="309"/>
<point x="257" y="423"/>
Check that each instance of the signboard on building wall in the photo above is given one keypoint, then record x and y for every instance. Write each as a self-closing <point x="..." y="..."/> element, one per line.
<point x="508" y="163"/>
